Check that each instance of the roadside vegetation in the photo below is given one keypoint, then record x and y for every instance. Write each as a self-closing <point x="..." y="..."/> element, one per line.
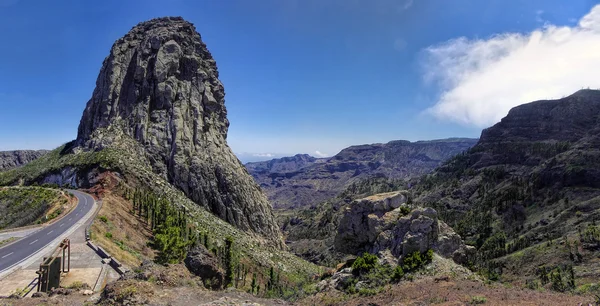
<point x="22" y="206"/>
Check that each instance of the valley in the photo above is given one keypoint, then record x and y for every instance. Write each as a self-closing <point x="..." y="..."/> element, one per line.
<point x="173" y="217"/>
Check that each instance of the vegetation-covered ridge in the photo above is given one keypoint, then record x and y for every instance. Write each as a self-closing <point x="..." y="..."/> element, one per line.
<point x="30" y="205"/>
<point x="57" y="160"/>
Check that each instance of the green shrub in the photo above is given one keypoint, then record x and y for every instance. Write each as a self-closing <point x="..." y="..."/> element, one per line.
<point x="557" y="280"/>
<point x="108" y="235"/>
<point x="476" y="300"/>
<point x="404" y="210"/>
<point x="103" y="219"/>
<point x="398" y="274"/>
<point x="364" y="264"/>
<point x="416" y="260"/>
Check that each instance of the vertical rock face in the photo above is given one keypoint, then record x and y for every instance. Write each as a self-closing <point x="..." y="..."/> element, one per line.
<point x="160" y="86"/>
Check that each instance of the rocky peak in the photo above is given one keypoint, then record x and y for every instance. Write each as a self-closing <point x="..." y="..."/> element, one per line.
<point x="160" y="86"/>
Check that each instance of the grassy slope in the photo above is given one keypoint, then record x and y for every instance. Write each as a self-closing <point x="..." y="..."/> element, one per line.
<point x="27" y="206"/>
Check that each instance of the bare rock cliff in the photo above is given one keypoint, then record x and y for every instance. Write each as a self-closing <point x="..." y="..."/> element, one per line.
<point x="160" y="86"/>
<point x="13" y="159"/>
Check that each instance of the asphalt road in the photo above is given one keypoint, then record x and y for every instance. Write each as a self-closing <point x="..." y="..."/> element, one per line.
<point x="16" y="252"/>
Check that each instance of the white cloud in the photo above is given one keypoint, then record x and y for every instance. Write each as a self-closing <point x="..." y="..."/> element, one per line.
<point x="319" y="154"/>
<point x="263" y="155"/>
<point x="482" y="79"/>
<point x="407" y="4"/>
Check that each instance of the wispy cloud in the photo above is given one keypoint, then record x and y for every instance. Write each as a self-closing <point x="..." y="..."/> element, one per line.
<point x="482" y="79"/>
<point x="320" y="154"/>
<point x="407" y="4"/>
<point x="538" y="16"/>
<point x="263" y="155"/>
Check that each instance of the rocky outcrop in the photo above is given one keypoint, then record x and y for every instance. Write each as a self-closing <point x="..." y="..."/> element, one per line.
<point x="13" y="159"/>
<point x="363" y="220"/>
<point x="301" y="181"/>
<point x="204" y="264"/>
<point x="384" y="223"/>
<point x="160" y="86"/>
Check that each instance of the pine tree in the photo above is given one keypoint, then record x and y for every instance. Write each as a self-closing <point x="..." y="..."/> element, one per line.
<point x="253" y="284"/>
<point x="228" y="260"/>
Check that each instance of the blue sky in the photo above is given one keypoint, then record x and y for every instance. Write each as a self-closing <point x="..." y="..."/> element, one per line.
<point x="310" y="76"/>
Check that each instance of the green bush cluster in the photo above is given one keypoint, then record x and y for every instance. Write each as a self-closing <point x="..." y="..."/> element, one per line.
<point x="374" y="276"/>
<point x="364" y="263"/>
<point x="416" y="260"/>
<point x="591" y="235"/>
<point x="561" y="278"/>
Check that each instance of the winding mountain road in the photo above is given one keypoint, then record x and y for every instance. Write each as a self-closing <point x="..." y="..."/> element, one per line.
<point x="13" y="254"/>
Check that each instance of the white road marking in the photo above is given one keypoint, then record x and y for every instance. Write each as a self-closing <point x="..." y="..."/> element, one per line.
<point x="61" y="224"/>
<point x="70" y="219"/>
<point x="33" y="242"/>
<point x="49" y="232"/>
<point x="7" y="255"/>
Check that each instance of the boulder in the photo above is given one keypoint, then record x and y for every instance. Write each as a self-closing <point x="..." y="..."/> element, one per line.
<point x="364" y="219"/>
<point x="205" y="265"/>
<point x="39" y="295"/>
<point x="377" y="225"/>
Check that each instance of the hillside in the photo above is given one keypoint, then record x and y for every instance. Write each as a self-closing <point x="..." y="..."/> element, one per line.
<point x="31" y="205"/>
<point x="527" y="195"/>
<point x="302" y="181"/>
<point x="13" y="159"/>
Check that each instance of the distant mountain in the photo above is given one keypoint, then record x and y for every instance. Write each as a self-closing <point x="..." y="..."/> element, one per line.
<point x="13" y="159"/>
<point x="284" y="164"/>
<point x="532" y="178"/>
<point x="302" y="180"/>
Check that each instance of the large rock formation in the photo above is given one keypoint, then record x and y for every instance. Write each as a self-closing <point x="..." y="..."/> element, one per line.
<point x="13" y="159"/>
<point x="384" y="223"/>
<point x="301" y="181"/>
<point x="160" y="86"/>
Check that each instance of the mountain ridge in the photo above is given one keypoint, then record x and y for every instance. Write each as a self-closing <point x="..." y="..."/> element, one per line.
<point x="17" y="158"/>
<point x="302" y="180"/>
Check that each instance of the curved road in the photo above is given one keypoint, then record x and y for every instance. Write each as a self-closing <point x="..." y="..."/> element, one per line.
<point x="13" y="254"/>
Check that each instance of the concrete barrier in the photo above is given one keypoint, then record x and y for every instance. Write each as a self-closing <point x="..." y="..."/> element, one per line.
<point x="102" y="252"/>
<point x="115" y="262"/>
<point x="92" y="246"/>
